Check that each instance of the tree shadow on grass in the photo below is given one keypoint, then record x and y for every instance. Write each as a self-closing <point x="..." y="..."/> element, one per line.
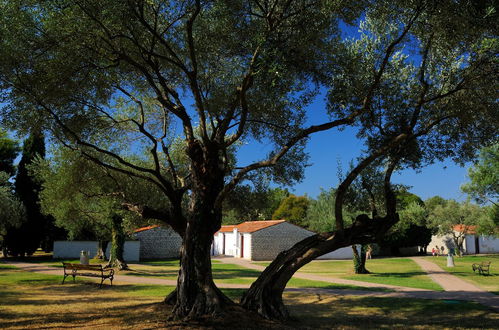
<point x="399" y="275"/>
<point x="375" y="312"/>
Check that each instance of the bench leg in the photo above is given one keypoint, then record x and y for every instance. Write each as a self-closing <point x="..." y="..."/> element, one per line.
<point x="111" y="279"/>
<point x="74" y="278"/>
<point x="64" y="278"/>
<point x="101" y="281"/>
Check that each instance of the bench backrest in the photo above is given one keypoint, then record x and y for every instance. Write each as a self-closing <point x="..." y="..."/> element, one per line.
<point x="82" y="267"/>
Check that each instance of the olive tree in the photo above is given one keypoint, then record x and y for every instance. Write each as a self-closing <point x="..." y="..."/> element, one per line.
<point x="146" y="72"/>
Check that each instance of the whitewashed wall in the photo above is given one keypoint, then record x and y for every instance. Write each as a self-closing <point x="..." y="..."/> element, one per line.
<point x="488" y="244"/>
<point x="343" y="253"/>
<point x="247" y="246"/>
<point x="131" y="251"/>
<point x="72" y="249"/>
<point x="231" y="240"/>
<point x="485" y="244"/>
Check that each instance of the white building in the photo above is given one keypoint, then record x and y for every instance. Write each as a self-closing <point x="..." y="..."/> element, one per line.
<point x="263" y="240"/>
<point x="473" y="244"/>
<point x="72" y="249"/>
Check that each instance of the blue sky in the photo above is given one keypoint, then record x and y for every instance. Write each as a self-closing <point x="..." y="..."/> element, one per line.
<point x="328" y="148"/>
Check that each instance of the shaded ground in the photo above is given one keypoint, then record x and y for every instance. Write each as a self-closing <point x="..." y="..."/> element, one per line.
<point x="34" y="300"/>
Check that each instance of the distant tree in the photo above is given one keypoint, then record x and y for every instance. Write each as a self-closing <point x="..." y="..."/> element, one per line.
<point x="412" y="229"/>
<point x="247" y="203"/>
<point x="484" y="177"/>
<point x="432" y="202"/>
<point x="25" y="239"/>
<point x="12" y="211"/>
<point x="458" y="220"/>
<point x="294" y="209"/>
<point x="320" y="212"/>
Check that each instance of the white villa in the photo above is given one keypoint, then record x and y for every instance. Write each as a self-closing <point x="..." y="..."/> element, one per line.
<point x="263" y="240"/>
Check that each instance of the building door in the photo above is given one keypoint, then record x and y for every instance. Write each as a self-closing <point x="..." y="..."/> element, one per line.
<point x="223" y="244"/>
<point x="477" y="244"/>
<point x="242" y="246"/>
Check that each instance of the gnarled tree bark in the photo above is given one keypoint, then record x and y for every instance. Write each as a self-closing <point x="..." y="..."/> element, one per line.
<point x="116" y="259"/>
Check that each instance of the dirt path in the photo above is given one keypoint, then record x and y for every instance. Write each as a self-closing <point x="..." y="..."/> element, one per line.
<point x="481" y="296"/>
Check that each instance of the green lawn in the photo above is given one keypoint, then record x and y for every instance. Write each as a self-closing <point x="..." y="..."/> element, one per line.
<point x="463" y="270"/>
<point x="390" y="271"/>
<point x="29" y="300"/>
<point x="226" y="273"/>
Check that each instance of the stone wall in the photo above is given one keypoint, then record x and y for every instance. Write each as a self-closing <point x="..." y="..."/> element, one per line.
<point x="159" y="243"/>
<point x="268" y="242"/>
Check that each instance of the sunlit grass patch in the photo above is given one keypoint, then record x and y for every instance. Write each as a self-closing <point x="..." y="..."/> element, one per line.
<point x="389" y="271"/>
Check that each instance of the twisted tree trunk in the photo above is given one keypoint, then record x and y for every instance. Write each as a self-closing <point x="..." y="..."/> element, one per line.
<point x="196" y="293"/>
<point x="359" y="260"/>
<point x="116" y="259"/>
<point x="265" y="294"/>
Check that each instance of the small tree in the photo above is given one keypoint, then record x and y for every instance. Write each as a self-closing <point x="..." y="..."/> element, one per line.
<point x="294" y="209"/>
<point x="484" y="177"/>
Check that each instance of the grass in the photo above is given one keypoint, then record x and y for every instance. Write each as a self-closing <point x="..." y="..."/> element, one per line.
<point x="387" y="313"/>
<point x="29" y="300"/>
<point x="229" y="274"/>
<point x="390" y="271"/>
<point x="463" y="270"/>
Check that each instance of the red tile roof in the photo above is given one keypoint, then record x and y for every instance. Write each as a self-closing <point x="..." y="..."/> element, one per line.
<point x="463" y="228"/>
<point x="252" y="226"/>
<point x="227" y="229"/>
<point x="245" y="227"/>
<point x="145" y="228"/>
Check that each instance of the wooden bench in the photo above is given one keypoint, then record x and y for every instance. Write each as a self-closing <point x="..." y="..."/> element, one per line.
<point x="87" y="270"/>
<point x="482" y="267"/>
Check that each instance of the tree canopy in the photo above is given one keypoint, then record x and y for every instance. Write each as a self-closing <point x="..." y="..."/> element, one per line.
<point x="484" y="177"/>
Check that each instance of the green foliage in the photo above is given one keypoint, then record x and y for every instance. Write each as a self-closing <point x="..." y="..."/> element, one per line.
<point x="8" y="152"/>
<point x="84" y="197"/>
<point x="484" y="176"/>
<point x="294" y="209"/>
<point x="12" y="211"/>
<point x="425" y="91"/>
<point x="246" y="204"/>
<point x="320" y="212"/>
<point x="413" y="228"/>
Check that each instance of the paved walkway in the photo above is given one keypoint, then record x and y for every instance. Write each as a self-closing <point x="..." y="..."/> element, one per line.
<point x="455" y="288"/>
